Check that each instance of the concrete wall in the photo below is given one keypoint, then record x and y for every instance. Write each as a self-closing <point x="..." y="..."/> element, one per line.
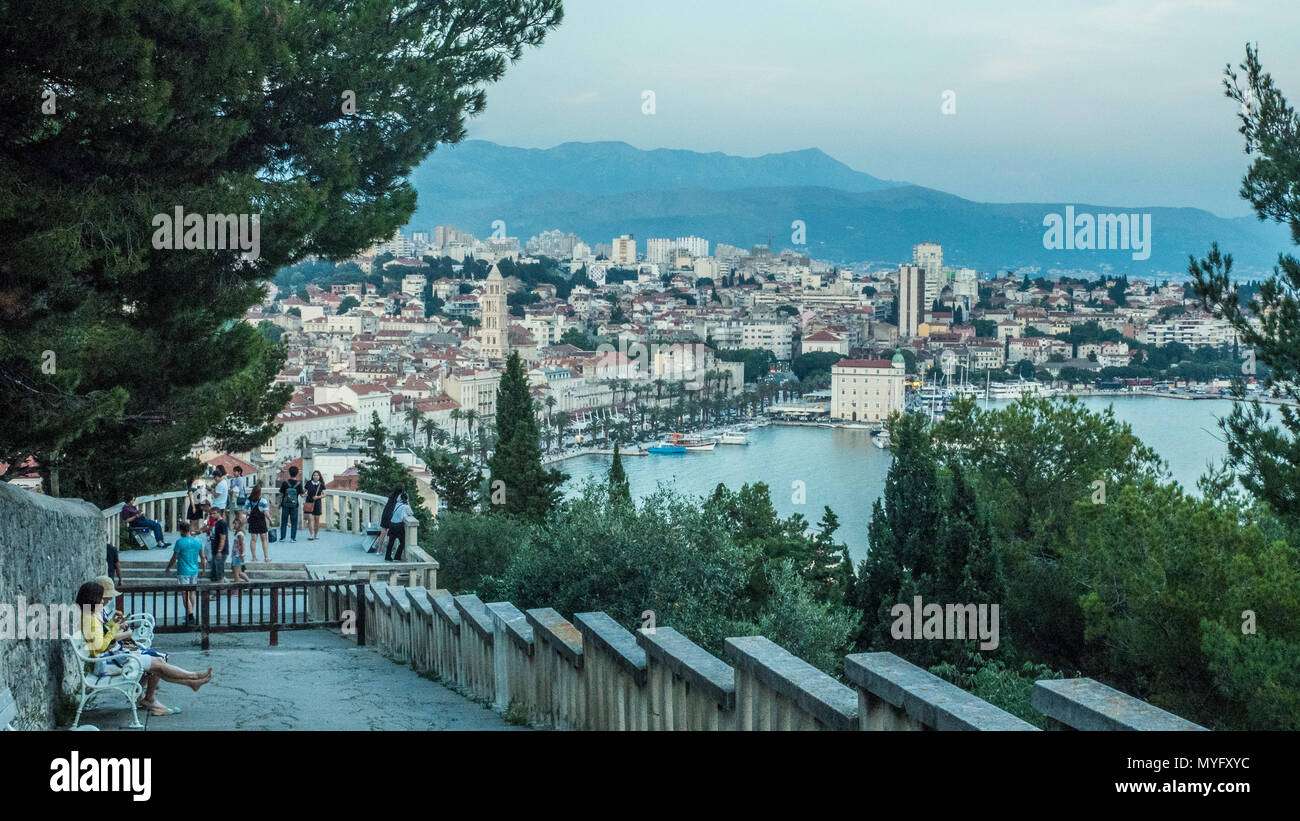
<point x="48" y="548"/>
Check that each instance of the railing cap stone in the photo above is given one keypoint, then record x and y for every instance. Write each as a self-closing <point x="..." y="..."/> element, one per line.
<point x="474" y="614"/>
<point x="691" y="662"/>
<point x="515" y="624"/>
<point x="445" y="605"/>
<point x="1086" y="704"/>
<point x="828" y="701"/>
<point x="924" y="696"/>
<point x="610" y="636"/>
<point x="549" y="627"/>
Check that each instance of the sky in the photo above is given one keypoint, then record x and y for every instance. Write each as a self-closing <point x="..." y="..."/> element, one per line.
<point x="1106" y="103"/>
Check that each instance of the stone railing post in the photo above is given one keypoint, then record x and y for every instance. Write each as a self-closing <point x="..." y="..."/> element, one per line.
<point x="446" y="637"/>
<point x="614" y="671"/>
<point x="687" y="687"/>
<point x="512" y="657"/>
<point x="776" y="690"/>
<point x="894" y="694"/>
<point x="476" y="647"/>
<point x="1085" y="704"/>
<point x="557" y="669"/>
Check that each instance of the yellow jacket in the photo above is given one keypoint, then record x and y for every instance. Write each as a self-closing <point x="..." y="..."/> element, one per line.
<point x="97" y="638"/>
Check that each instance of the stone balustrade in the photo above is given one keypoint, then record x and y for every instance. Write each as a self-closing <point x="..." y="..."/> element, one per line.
<point x="593" y="674"/>
<point x="346" y="511"/>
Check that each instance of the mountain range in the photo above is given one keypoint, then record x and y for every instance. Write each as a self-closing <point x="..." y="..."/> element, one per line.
<point x="602" y="190"/>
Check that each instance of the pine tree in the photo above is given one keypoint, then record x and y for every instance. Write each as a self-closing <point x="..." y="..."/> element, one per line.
<point x="1264" y="452"/>
<point x="526" y="488"/>
<point x="246" y="114"/>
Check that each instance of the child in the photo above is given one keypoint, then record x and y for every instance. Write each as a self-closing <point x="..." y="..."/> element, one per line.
<point x="237" y="549"/>
<point x="209" y="522"/>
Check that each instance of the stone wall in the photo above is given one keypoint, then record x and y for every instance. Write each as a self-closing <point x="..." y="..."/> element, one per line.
<point x="48" y="548"/>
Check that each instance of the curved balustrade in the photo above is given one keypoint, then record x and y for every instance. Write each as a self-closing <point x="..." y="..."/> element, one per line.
<point x="346" y="511"/>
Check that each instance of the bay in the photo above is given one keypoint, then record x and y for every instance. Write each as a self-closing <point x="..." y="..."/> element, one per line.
<point x="808" y="468"/>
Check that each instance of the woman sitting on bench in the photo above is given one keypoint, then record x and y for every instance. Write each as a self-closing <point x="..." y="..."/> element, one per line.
<point x="110" y="646"/>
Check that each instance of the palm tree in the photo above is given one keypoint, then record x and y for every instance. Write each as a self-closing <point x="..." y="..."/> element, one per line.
<point x="562" y="421"/>
<point x="659" y="384"/>
<point x="471" y="416"/>
<point x="456" y="415"/>
<point x="301" y="444"/>
<point x="401" y="439"/>
<point x="414" y="415"/>
<point x="549" y="402"/>
<point x="428" y="427"/>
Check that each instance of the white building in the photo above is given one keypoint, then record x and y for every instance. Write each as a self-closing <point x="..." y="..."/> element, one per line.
<point x="867" y="390"/>
<point x="623" y="254"/>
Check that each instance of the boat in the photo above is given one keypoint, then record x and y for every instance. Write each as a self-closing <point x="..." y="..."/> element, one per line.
<point x="666" y="447"/>
<point x="881" y="440"/>
<point x="681" y="443"/>
<point x="734" y="437"/>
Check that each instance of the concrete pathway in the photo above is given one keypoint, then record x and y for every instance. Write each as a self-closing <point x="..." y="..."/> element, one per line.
<point x="332" y="547"/>
<point x="315" y="680"/>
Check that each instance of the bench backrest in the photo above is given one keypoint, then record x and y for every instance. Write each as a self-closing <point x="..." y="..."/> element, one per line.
<point x="8" y="708"/>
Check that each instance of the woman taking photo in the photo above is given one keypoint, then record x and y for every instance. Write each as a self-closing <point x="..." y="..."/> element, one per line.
<point x="314" y="499"/>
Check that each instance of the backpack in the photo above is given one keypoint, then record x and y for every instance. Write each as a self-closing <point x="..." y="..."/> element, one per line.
<point x="291" y="494"/>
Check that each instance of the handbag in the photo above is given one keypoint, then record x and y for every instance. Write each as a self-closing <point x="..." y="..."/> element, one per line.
<point x="270" y="535"/>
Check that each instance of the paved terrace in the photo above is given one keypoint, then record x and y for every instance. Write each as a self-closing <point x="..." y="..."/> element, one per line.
<point x="315" y="680"/>
<point x="333" y="547"/>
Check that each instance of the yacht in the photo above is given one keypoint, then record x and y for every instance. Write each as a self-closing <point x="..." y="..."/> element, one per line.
<point x="734" y="437"/>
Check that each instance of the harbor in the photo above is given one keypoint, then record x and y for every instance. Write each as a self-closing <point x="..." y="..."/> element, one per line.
<point x="844" y="468"/>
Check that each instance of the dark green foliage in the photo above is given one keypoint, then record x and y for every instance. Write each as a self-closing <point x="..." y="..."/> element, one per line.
<point x="530" y="490"/>
<point x="234" y="108"/>
<point x="474" y="552"/>
<point x="619" y="488"/>
<point x="1267" y="455"/>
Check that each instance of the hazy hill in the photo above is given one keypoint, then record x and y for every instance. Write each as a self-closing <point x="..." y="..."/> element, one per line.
<point x="601" y="190"/>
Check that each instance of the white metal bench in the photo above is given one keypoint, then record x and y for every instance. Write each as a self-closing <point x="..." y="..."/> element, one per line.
<point x="126" y="681"/>
<point x="141" y="626"/>
<point x="8" y="709"/>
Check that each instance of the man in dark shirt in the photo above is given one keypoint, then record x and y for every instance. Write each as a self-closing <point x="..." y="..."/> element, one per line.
<point x="138" y="521"/>
<point x="291" y="492"/>
<point x="219" y="536"/>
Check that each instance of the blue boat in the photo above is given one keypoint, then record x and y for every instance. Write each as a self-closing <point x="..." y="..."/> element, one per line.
<point x="666" y="447"/>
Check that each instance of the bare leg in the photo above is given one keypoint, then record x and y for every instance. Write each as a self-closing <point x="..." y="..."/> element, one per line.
<point x="177" y="675"/>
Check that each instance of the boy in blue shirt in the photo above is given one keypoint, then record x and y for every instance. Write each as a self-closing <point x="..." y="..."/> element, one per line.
<point x="185" y="557"/>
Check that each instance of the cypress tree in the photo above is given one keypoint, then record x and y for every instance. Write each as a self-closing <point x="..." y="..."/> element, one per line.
<point x="519" y="484"/>
<point x="619" y="488"/>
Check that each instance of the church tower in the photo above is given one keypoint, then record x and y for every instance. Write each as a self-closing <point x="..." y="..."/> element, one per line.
<point x="496" y="319"/>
